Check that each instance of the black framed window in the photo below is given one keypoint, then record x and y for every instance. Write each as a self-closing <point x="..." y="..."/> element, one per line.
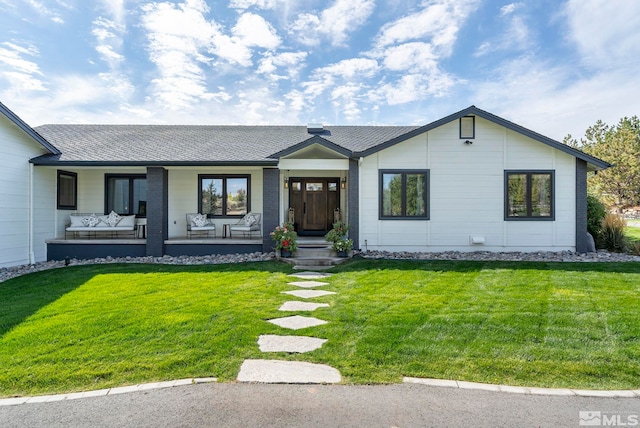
<point x="67" y="190"/>
<point x="224" y="195"/>
<point x="126" y="194"/>
<point x="529" y="195"/>
<point x="404" y="194"/>
<point x="468" y="127"/>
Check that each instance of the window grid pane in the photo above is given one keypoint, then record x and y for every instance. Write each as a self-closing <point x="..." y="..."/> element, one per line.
<point x="392" y="195"/>
<point x="236" y="196"/>
<point x="541" y="195"/>
<point x="415" y="195"/>
<point x="517" y="200"/>
<point x="212" y="196"/>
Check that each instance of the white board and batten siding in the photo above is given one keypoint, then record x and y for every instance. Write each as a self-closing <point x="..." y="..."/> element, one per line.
<point x="466" y="193"/>
<point x="15" y="221"/>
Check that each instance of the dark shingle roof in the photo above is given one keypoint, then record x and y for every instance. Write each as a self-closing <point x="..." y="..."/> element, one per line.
<point x="258" y="145"/>
<point x="175" y="144"/>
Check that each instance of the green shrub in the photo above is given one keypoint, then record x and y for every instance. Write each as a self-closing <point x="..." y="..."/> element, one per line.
<point x="596" y="212"/>
<point x="612" y="235"/>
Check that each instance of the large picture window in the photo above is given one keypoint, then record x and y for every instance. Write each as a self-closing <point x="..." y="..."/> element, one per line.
<point x="126" y="194"/>
<point x="529" y="195"/>
<point x="224" y="195"/>
<point x="404" y="194"/>
<point x="67" y="190"/>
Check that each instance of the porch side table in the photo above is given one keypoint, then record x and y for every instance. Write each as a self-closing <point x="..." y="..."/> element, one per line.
<point x="141" y="228"/>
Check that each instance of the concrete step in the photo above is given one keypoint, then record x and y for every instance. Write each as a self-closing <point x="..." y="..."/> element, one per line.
<point x="314" y="252"/>
<point x="314" y="263"/>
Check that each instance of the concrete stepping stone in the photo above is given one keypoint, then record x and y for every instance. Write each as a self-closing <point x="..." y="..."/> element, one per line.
<point x="297" y="322"/>
<point x="301" y="344"/>
<point x="308" y="294"/>
<point x="308" y="284"/>
<point x="275" y="371"/>
<point x="302" y="306"/>
<point x="310" y="275"/>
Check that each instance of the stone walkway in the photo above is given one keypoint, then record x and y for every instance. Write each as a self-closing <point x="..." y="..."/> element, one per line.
<point x="278" y="371"/>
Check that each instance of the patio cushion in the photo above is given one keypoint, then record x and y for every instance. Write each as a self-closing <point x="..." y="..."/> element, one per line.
<point x="113" y="218"/>
<point x="90" y="221"/>
<point x="200" y="220"/>
<point x="127" y="221"/>
<point x="76" y="221"/>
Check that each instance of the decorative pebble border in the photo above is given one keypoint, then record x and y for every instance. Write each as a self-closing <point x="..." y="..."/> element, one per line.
<point x="563" y="256"/>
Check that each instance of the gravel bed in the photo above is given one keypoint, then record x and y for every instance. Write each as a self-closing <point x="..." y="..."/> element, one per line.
<point x="563" y="256"/>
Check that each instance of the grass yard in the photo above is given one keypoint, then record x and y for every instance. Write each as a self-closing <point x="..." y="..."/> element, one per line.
<point x="632" y="233"/>
<point x="534" y="324"/>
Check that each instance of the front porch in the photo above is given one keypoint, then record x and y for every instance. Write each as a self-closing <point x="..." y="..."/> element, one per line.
<point x="60" y="248"/>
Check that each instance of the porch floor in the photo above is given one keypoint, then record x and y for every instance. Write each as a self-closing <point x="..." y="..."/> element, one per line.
<point x="182" y="240"/>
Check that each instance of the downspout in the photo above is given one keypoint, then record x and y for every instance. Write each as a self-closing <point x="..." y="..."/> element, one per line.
<point x="32" y="257"/>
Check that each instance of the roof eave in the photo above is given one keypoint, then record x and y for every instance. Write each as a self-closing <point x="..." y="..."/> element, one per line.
<point x="52" y="162"/>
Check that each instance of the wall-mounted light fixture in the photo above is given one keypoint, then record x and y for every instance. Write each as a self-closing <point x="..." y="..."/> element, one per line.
<point x="286" y="182"/>
<point x="343" y="183"/>
<point x="468" y="142"/>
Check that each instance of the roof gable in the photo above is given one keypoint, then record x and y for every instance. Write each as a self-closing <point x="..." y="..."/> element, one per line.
<point x="475" y="111"/>
<point x="315" y="140"/>
<point x="27" y="129"/>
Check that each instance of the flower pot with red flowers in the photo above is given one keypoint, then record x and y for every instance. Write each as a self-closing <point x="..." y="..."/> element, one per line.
<point x="285" y="239"/>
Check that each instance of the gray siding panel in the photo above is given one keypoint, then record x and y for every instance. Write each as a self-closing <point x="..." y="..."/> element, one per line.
<point x="581" y="206"/>
<point x="270" y="205"/>
<point x="353" y="202"/>
<point x="157" y="210"/>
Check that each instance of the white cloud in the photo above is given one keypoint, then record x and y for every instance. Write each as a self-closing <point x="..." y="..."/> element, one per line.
<point x="108" y="35"/>
<point x="412" y="56"/>
<point x="605" y="32"/>
<point x="439" y="21"/>
<point x="246" y="4"/>
<point x="510" y="8"/>
<point x="516" y="34"/>
<point x="22" y="74"/>
<point x="253" y="30"/>
<point x="289" y="62"/>
<point x="532" y="92"/>
<point x="39" y="7"/>
<point x="333" y="24"/>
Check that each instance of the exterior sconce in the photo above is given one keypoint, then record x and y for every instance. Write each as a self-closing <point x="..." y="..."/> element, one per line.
<point x="343" y="183"/>
<point x="286" y="182"/>
<point x="468" y="142"/>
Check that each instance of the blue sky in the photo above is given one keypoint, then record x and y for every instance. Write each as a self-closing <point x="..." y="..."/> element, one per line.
<point x="553" y="66"/>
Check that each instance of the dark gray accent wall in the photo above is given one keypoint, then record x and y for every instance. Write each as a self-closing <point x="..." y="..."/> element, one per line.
<point x="270" y="205"/>
<point x="581" y="206"/>
<point x="58" y="251"/>
<point x="157" y="210"/>
<point x="353" y="204"/>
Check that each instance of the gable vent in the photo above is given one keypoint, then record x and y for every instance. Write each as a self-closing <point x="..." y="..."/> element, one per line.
<point x="315" y="128"/>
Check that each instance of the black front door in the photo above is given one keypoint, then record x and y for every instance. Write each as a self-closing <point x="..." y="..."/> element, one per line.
<point x="313" y="201"/>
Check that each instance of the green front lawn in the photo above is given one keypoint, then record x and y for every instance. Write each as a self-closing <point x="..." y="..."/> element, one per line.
<point x="535" y="324"/>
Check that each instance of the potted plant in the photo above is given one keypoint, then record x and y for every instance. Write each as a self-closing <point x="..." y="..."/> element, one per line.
<point x="286" y="239"/>
<point x="342" y="246"/>
<point x="339" y="231"/>
<point x="338" y="238"/>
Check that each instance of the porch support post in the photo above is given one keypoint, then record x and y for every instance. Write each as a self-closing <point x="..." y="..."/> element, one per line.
<point x="157" y="210"/>
<point x="581" y="206"/>
<point x="353" y="202"/>
<point x="270" y="205"/>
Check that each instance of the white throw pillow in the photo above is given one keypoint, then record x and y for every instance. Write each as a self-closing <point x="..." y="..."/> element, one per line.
<point x="249" y="219"/>
<point x="200" y="220"/>
<point x="127" y="221"/>
<point x="90" y="221"/>
<point x="113" y="218"/>
<point x="76" y="220"/>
